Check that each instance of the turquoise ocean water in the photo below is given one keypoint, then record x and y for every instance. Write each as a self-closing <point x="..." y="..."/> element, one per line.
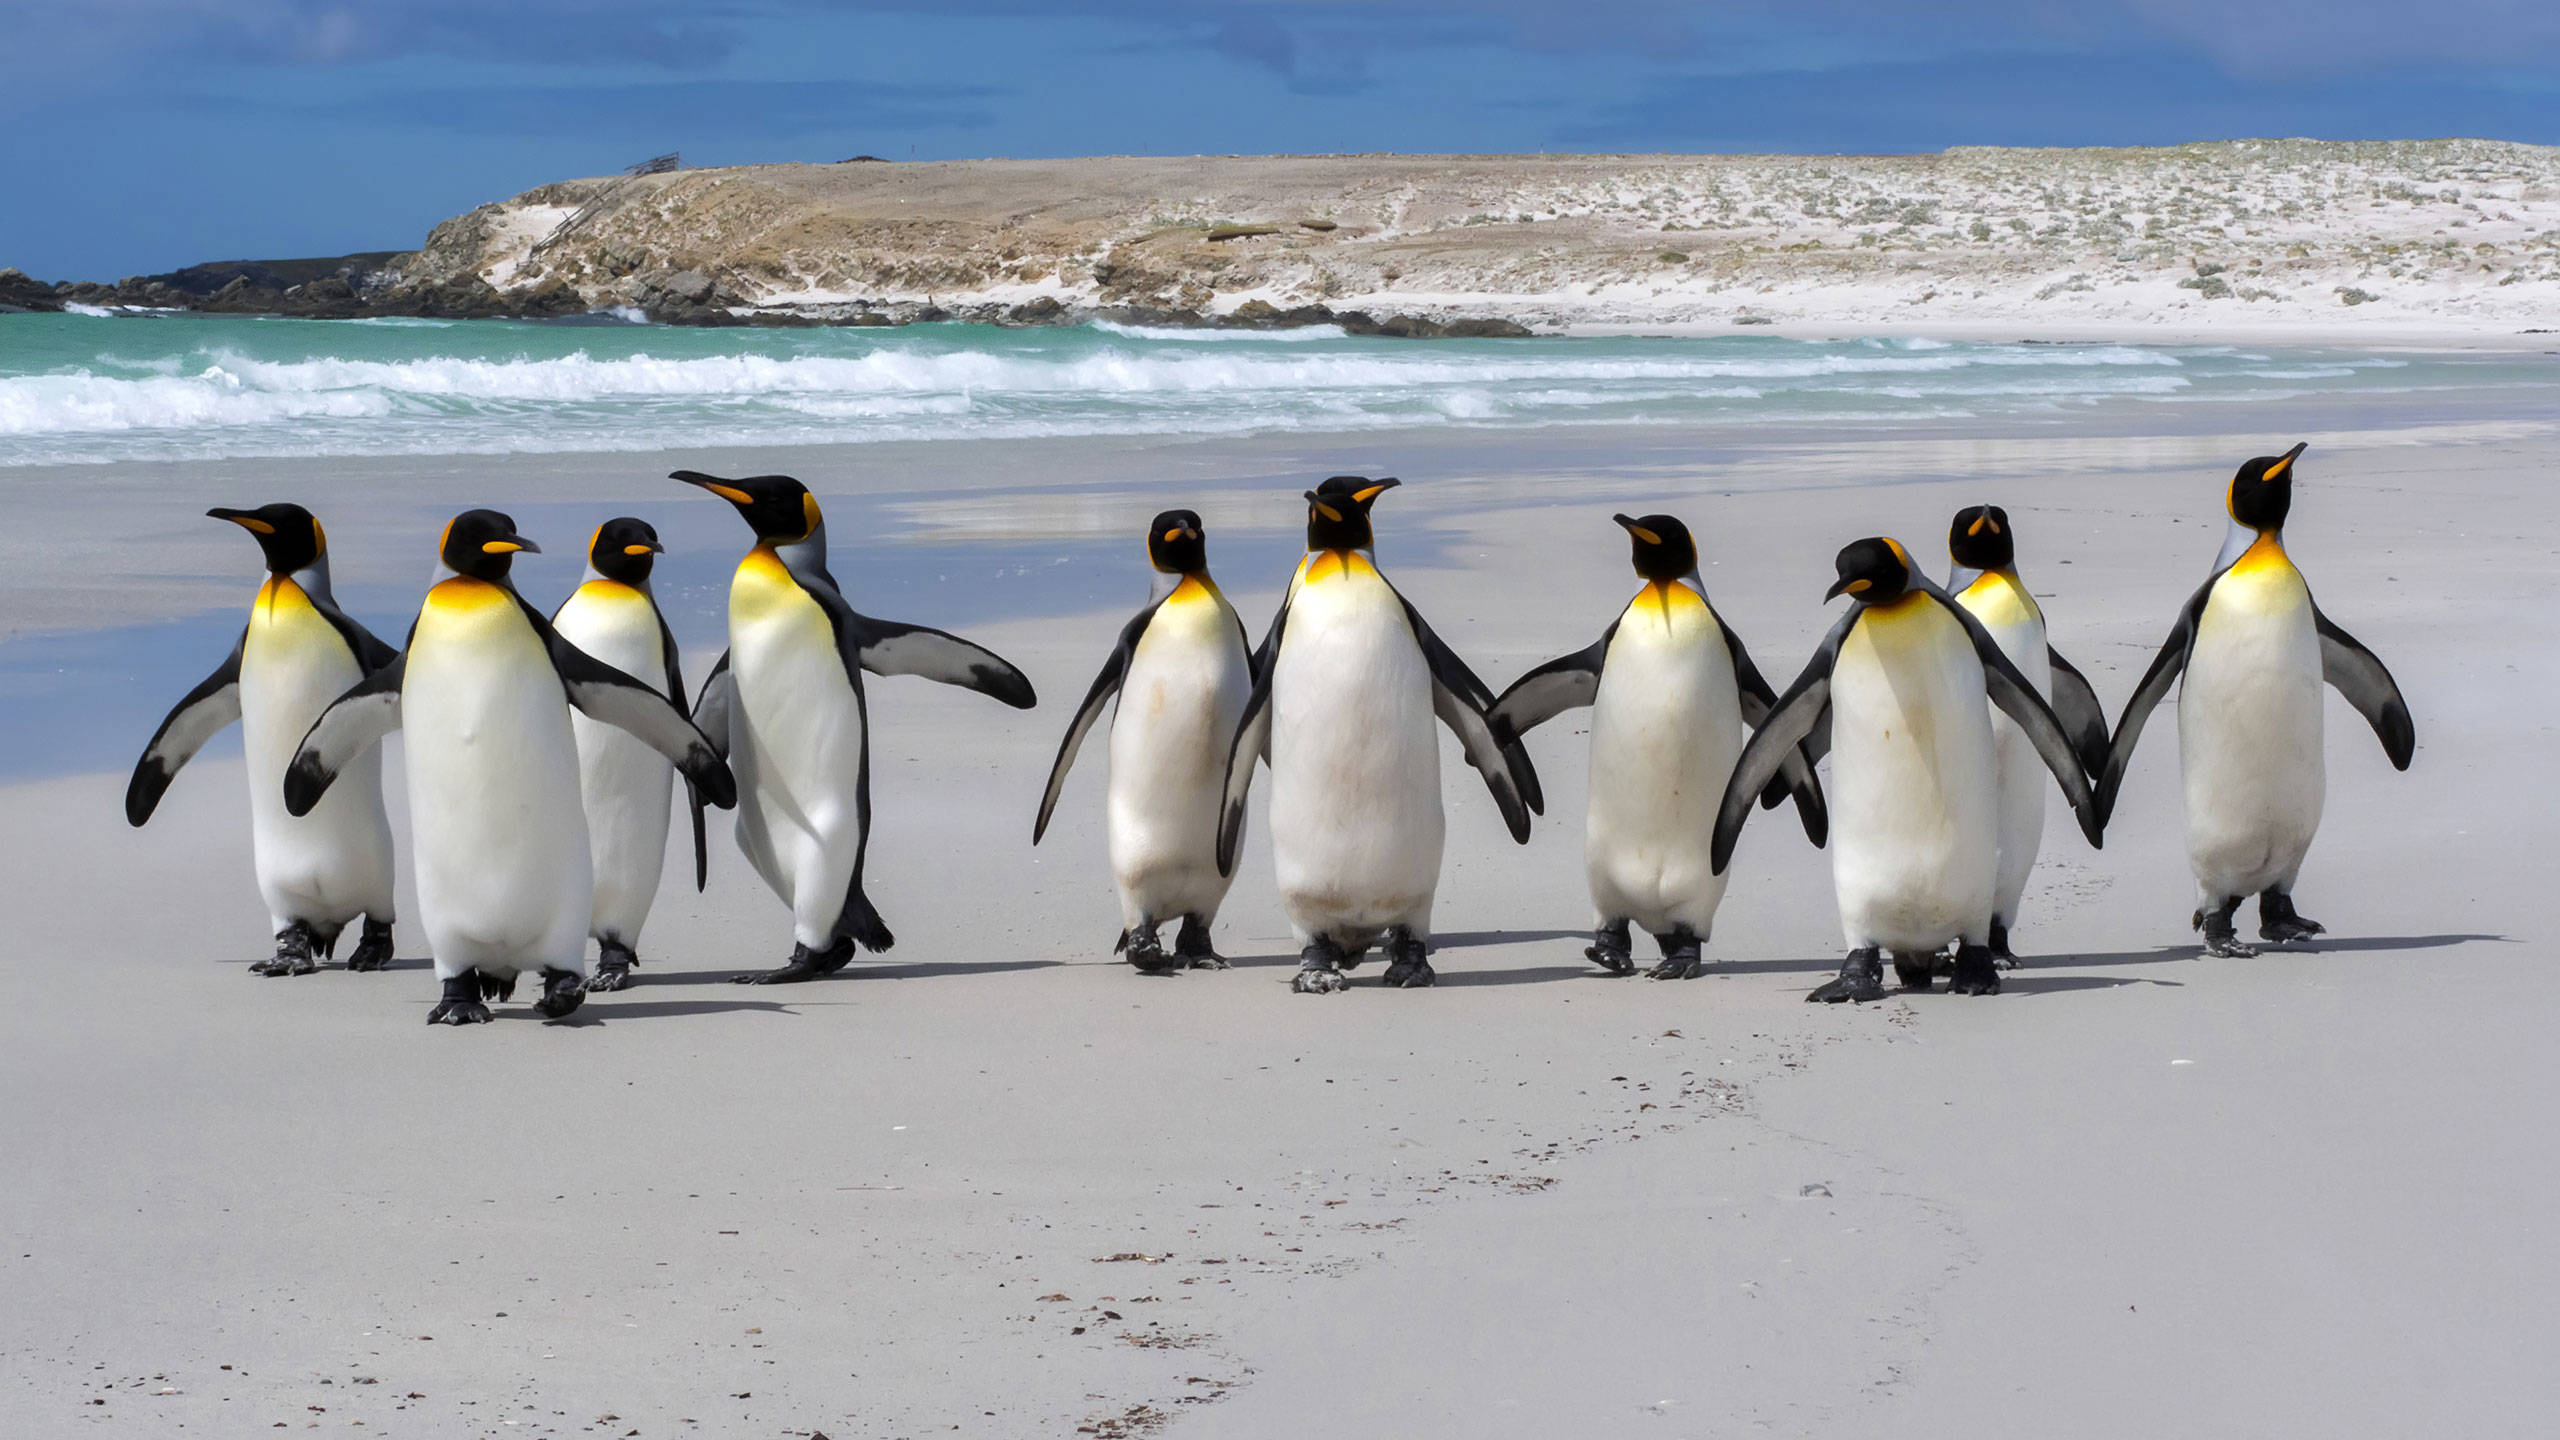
<point x="91" y="388"/>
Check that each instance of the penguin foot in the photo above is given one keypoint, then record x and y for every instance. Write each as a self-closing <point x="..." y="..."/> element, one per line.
<point x="2281" y="924"/>
<point x="1407" y="967"/>
<point x="1916" y="971"/>
<point x="461" y="1003"/>
<point x="1681" y="959"/>
<point x="1146" y="952"/>
<point x="1608" y="949"/>
<point x="2000" y="952"/>
<point x="806" y="964"/>
<point x="1861" y="978"/>
<point x="562" y="992"/>
<point x="2221" y="937"/>
<point x="1191" y="945"/>
<point x="373" y="949"/>
<point x="1319" y="970"/>
<point x="492" y="988"/>
<point x="614" y="965"/>
<point x="295" y="953"/>
<point x="1976" y="972"/>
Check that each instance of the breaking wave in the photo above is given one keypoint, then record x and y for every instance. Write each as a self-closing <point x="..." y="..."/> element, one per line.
<point x="98" y="389"/>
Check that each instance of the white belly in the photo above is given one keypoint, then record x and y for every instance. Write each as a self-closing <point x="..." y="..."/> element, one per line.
<point x="2249" y="732"/>
<point x="1913" y="839"/>
<point x="504" y="878"/>
<point x="329" y="866"/>
<point x="1177" y="715"/>
<point x="1666" y="728"/>
<point x="2018" y="627"/>
<point x="1356" y="824"/>
<point x="795" y="748"/>
<point x="626" y="787"/>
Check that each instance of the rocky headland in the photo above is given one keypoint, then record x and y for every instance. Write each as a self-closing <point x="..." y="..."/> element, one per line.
<point x="2445" y="234"/>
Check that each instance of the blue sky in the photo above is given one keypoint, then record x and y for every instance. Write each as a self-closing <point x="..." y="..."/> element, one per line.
<point x="139" y="135"/>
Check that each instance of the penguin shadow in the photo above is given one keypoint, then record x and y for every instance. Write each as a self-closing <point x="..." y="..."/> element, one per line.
<point x="2020" y="982"/>
<point x="2324" y="944"/>
<point x="1579" y="969"/>
<point x="916" y="970"/>
<point x="604" y="1011"/>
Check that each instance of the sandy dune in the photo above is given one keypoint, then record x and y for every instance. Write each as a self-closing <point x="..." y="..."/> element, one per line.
<point x="2261" y="236"/>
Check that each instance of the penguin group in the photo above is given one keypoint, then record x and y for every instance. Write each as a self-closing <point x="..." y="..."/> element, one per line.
<point x="543" y="752"/>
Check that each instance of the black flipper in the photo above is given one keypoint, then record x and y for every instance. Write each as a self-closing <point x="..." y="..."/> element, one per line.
<point x="692" y="793"/>
<point x="2154" y="687"/>
<point x="859" y="921"/>
<point x="629" y="704"/>
<point x="371" y="651"/>
<point x="1105" y="685"/>
<point x="354" y="723"/>
<point x="1793" y="717"/>
<point x="2369" y="687"/>
<point x="1568" y="682"/>
<point x="196" y="718"/>
<point x="1252" y="742"/>
<point x="1461" y="701"/>
<point x="2017" y="699"/>
<point x="1795" y="775"/>
<point x="890" y="647"/>
<point x="2075" y="704"/>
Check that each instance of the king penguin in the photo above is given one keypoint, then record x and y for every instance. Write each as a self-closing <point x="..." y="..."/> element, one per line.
<point x="1673" y="695"/>
<point x="786" y="705"/>
<point x="1346" y="684"/>
<point x="298" y="652"/>
<point x="1181" y="670"/>
<point x="2255" y="650"/>
<point x="1914" y="792"/>
<point x="613" y="615"/>
<point x="483" y="693"/>
<point x="1982" y="548"/>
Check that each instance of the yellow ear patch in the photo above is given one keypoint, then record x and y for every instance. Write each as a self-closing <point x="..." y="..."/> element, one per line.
<point x="1372" y="493"/>
<point x="499" y="547"/>
<point x="1898" y="552"/>
<point x="809" y="513"/>
<point x="319" y="538"/>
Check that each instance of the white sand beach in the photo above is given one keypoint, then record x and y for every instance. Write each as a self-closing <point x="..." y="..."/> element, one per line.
<point x="994" y="1184"/>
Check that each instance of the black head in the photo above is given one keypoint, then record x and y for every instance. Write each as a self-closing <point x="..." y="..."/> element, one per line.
<point x="1176" y="544"/>
<point x="1663" y="549"/>
<point x="483" y="544"/>
<point x="2262" y="492"/>
<point x="625" y="549"/>
<point x="1874" y="570"/>
<point x="780" y="508"/>
<point x="1980" y="540"/>
<point x="1338" y="512"/>
<point x="291" y="538"/>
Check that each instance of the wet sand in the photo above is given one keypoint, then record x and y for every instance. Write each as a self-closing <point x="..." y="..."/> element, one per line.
<point x="2137" y="1193"/>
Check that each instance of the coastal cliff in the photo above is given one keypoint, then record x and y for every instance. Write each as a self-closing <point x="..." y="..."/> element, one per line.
<point x="2450" y="234"/>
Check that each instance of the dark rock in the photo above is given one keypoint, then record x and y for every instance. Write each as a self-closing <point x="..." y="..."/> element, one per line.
<point x="19" y="293"/>
<point x="689" y="286"/>
<point x="1417" y="327"/>
<point x="1040" y="310"/>
<point x="1253" y="312"/>
<point x="1319" y="226"/>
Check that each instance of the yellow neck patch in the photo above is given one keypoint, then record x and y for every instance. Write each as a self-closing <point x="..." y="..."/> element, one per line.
<point x="2265" y="553"/>
<point x="1333" y="564"/>
<point x="462" y="593"/>
<point x="1194" y="589"/>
